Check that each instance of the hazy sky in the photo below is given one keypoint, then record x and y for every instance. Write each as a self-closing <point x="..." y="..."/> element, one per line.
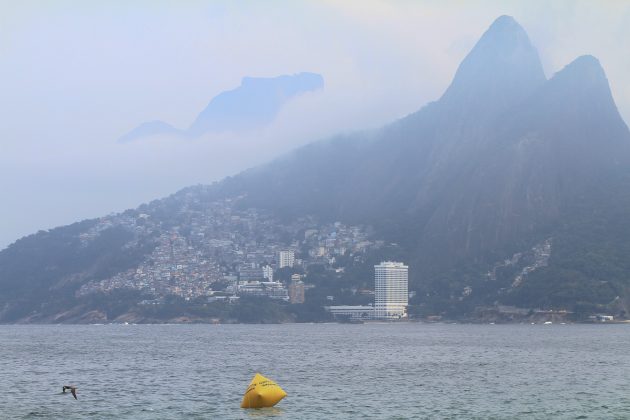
<point x="76" y="75"/>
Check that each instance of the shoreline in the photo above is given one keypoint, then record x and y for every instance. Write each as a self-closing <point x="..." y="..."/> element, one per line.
<point x="368" y="322"/>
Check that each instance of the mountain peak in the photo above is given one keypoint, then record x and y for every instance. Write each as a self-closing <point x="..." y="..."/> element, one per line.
<point x="504" y="36"/>
<point x="503" y="68"/>
<point x="505" y="23"/>
<point x="586" y="68"/>
<point x="583" y="77"/>
<point x="582" y="87"/>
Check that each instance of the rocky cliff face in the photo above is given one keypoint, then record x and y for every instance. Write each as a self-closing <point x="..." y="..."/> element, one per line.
<point x="491" y="160"/>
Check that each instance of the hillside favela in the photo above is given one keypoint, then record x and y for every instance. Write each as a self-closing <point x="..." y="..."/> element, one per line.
<point x="207" y="256"/>
<point x="370" y="209"/>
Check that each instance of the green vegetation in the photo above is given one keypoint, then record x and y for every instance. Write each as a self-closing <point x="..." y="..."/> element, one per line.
<point x="40" y="274"/>
<point x="589" y="269"/>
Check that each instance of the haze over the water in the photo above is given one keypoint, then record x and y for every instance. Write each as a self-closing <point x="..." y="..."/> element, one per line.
<point x="76" y="76"/>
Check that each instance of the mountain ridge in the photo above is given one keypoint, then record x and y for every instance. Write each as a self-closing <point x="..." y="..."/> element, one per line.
<point x="253" y="104"/>
<point x="505" y="161"/>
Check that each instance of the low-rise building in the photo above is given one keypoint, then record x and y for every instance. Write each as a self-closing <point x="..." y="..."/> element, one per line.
<point x="356" y="312"/>
<point x="270" y="289"/>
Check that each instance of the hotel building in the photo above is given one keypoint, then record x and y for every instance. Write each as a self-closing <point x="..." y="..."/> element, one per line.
<point x="391" y="290"/>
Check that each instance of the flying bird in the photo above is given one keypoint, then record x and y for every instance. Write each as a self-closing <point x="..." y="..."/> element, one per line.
<point x="73" y="390"/>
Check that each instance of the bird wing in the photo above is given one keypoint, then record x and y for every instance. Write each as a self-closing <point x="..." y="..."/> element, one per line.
<point x="74" y="393"/>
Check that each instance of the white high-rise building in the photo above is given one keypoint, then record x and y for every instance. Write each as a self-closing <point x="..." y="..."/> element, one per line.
<point x="286" y="259"/>
<point x="267" y="272"/>
<point x="391" y="290"/>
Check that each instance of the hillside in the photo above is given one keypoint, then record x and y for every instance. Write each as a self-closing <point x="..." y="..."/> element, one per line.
<point x="510" y="189"/>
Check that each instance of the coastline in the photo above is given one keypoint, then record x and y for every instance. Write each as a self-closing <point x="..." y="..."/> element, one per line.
<point x="192" y="321"/>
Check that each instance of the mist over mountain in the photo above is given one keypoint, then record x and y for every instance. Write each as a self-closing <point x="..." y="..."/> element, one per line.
<point x="509" y="189"/>
<point x="255" y="103"/>
<point x="492" y="151"/>
<point x="500" y="162"/>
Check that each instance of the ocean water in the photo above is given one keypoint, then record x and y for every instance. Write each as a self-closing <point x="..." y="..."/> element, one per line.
<point x="330" y="371"/>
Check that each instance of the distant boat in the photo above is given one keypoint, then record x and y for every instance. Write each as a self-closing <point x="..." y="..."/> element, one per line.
<point x="548" y="322"/>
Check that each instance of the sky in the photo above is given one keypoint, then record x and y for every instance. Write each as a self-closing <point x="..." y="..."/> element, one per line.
<point x="76" y="75"/>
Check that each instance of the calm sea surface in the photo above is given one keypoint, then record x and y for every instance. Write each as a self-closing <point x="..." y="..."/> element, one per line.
<point x="376" y="371"/>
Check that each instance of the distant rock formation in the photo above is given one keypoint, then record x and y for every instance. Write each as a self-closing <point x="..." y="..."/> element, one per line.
<point x="255" y="103"/>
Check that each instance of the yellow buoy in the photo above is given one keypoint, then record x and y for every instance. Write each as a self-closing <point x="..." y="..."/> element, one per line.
<point x="262" y="392"/>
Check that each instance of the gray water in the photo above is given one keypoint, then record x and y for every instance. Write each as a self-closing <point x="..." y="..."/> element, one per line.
<point x="376" y="371"/>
